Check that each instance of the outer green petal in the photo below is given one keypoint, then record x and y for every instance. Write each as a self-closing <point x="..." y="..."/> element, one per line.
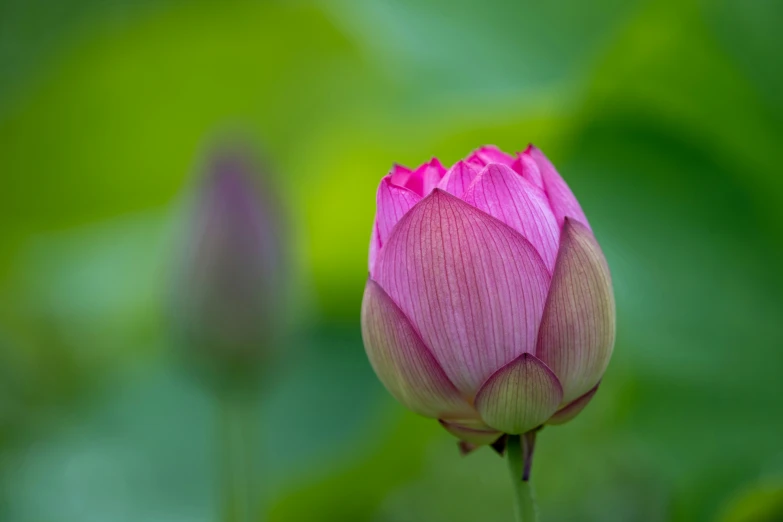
<point x="577" y="331"/>
<point x="520" y="396"/>
<point x="475" y="436"/>
<point x="573" y="408"/>
<point x="402" y="361"/>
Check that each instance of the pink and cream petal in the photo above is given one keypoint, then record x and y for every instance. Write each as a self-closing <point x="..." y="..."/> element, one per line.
<point x="563" y="202"/>
<point x="578" y="328"/>
<point x="458" y="178"/>
<point x="503" y="194"/>
<point x="474" y="422"/>
<point x="392" y="203"/>
<point x="573" y="408"/>
<point x="520" y="396"/>
<point x="477" y="437"/>
<point x="474" y="287"/>
<point x="403" y="363"/>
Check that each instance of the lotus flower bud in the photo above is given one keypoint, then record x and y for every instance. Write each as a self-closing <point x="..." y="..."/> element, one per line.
<point x="228" y="293"/>
<point x="489" y="304"/>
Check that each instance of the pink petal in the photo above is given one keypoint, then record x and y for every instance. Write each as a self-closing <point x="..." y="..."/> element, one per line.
<point x="375" y="244"/>
<point x="503" y="194"/>
<point x="573" y="408"/>
<point x="490" y="154"/>
<point x="476" y="436"/>
<point x="563" y="202"/>
<point x="420" y="181"/>
<point x="458" y="178"/>
<point x="403" y="363"/>
<point x="473" y="286"/>
<point x="431" y="174"/>
<point x="578" y="327"/>
<point x="528" y="169"/>
<point x="399" y="175"/>
<point x="403" y="177"/>
<point x="520" y="396"/>
<point x="392" y="202"/>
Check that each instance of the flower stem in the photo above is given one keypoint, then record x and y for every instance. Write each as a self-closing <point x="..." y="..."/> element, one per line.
<point x="524" y="503"/>
<point x="236" y="440"/>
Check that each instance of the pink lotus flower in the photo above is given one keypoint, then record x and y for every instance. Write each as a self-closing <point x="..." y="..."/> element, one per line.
<point x="489" y="304"/>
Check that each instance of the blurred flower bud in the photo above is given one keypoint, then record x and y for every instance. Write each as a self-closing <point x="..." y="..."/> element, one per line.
<point x="229" y="280"/>
<point x="489" y="304"/>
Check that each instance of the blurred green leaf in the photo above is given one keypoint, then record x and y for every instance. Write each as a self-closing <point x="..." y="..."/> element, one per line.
<point x="468" y="49"/>
<point x="147" y="450"/>
<point x="763" y="503"/>
<point x="748" y="32"/>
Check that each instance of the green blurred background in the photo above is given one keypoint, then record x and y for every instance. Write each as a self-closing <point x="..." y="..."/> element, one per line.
<point x="665" y="117"/>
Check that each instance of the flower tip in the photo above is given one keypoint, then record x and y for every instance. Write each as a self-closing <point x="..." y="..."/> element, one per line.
<point x="397" y="167"/>
<point x="466" y="448"/>
<point x="437" y="193"/>
<point x="572" y="222"/>
<point x="497" y="167"/>
<point x="435" y="162"/>
<point x="399" y="173"/>
<point x="230" y="183"/>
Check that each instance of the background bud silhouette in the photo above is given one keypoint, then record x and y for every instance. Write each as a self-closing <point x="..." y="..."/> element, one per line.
<point x="489" y="304"/>
<point x="230" y="281"/>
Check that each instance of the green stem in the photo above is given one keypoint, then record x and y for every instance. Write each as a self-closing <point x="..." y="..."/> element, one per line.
<point x="235" y="444"/>
<point x="524" y="503"/>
